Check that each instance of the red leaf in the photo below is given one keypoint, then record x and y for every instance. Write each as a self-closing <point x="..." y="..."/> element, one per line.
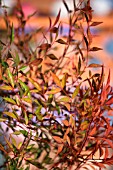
<point x="95" y="24"/>
<point x="95" y="49"/>
<point x="110" y="101"/>
<point x="57" y="18"/>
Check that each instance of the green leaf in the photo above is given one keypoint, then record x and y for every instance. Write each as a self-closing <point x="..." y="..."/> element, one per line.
<point x="64" y="99"/>
<point x="10" y="100"/>
<point x="5" y="64"/>
<point x="76" y="91"/>
<point x="25" y="87"/>
<point x="12" y="34"/>
<point x="23" y="68"/>
<point x="38" y="112"/>
<point x="10" y="114"/>
<point x="10" y="77"/>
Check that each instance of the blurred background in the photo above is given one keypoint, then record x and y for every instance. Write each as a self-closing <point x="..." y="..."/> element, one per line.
<point x="103" y="12"/>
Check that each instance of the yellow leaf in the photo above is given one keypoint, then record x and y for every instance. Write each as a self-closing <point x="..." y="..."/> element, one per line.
<point x="67" y="105"/>
<point x="10" y="114"/>
<point x="10" y="77"/>
<point x="64" y="99"/>
<point x="8" y="143"/>
<point x="76" y="91"/>
<point x="2" y="149"/>
<point x="36" y="84"/>
<point x="5" y="87"/>
<point x="10" y="100"/>
<point x="28" y="100"/>
<point x="54" y="91"/>
<point x="56" y="79"/>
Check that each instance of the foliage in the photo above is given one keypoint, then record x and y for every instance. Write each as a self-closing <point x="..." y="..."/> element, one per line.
<point x="49" y="102"/>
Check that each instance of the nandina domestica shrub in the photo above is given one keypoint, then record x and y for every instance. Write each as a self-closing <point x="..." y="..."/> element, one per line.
<point x="54" y="108"/>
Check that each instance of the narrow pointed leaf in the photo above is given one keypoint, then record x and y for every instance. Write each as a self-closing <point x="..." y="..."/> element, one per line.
<point x="10" y="100"/>
<point x="56" y="79"/>
<point x="10" y="77"/>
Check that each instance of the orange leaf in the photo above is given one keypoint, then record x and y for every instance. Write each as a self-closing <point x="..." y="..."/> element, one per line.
<point x="60" y="148"/>
<point x="57" y="139"/>
<point x="56" y="79"/>
<point x="93" y="131"/>
<point x="65" y="122"/>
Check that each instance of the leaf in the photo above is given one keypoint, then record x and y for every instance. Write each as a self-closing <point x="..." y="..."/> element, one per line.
<point x="57" y="18"/>
<point x="94" y="65"/>
<point x="84" y="125"/>
<point x="65" y="122"/>
<point x="10" y="114"/>
<point x="8" y="143"/>
<point x="2" y="120"/>
<point x="36" y="62"/>
<point x="2" y="149"/>
<point x="54" y="91"/>
<point x="36" y="84"/>
<point x="60" y="148"/>
<point x="66" y="6"/>
<point x="13" y="141"/>
<point x="93" y="131"/>
<point x="57" y="139"/>
<point x="76" y="91"/>
<point x="52" y="57"/>
<point x="56" y="79"/>
<point x="64" y="99"/>
<point x="26" y="118"/>
<point x="45" y="46"/>
<point x="68" y="140"/>
<point x="110" y="101"/>
<point x="28" y="100"/>
<point x="95" y="49"/>
<point x="23" y="68"/>
<point x="5" y="87"/>
<point x="60" y="41"/>
<point x="19" y="145"/>
<point x="54" y="29"/>
<point x="79" y="65"/>
<point x="10" y="100"/>
<point x="38" y="112"/>
<point x="95" y="24"/>
<point x="10" y="77"/>
<point x="67" y="105"/>
<point x="63" y="82"/>
<point x="86" y="41"/>
<point x="12" y="34"/>
<point x="24" y="86"/>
